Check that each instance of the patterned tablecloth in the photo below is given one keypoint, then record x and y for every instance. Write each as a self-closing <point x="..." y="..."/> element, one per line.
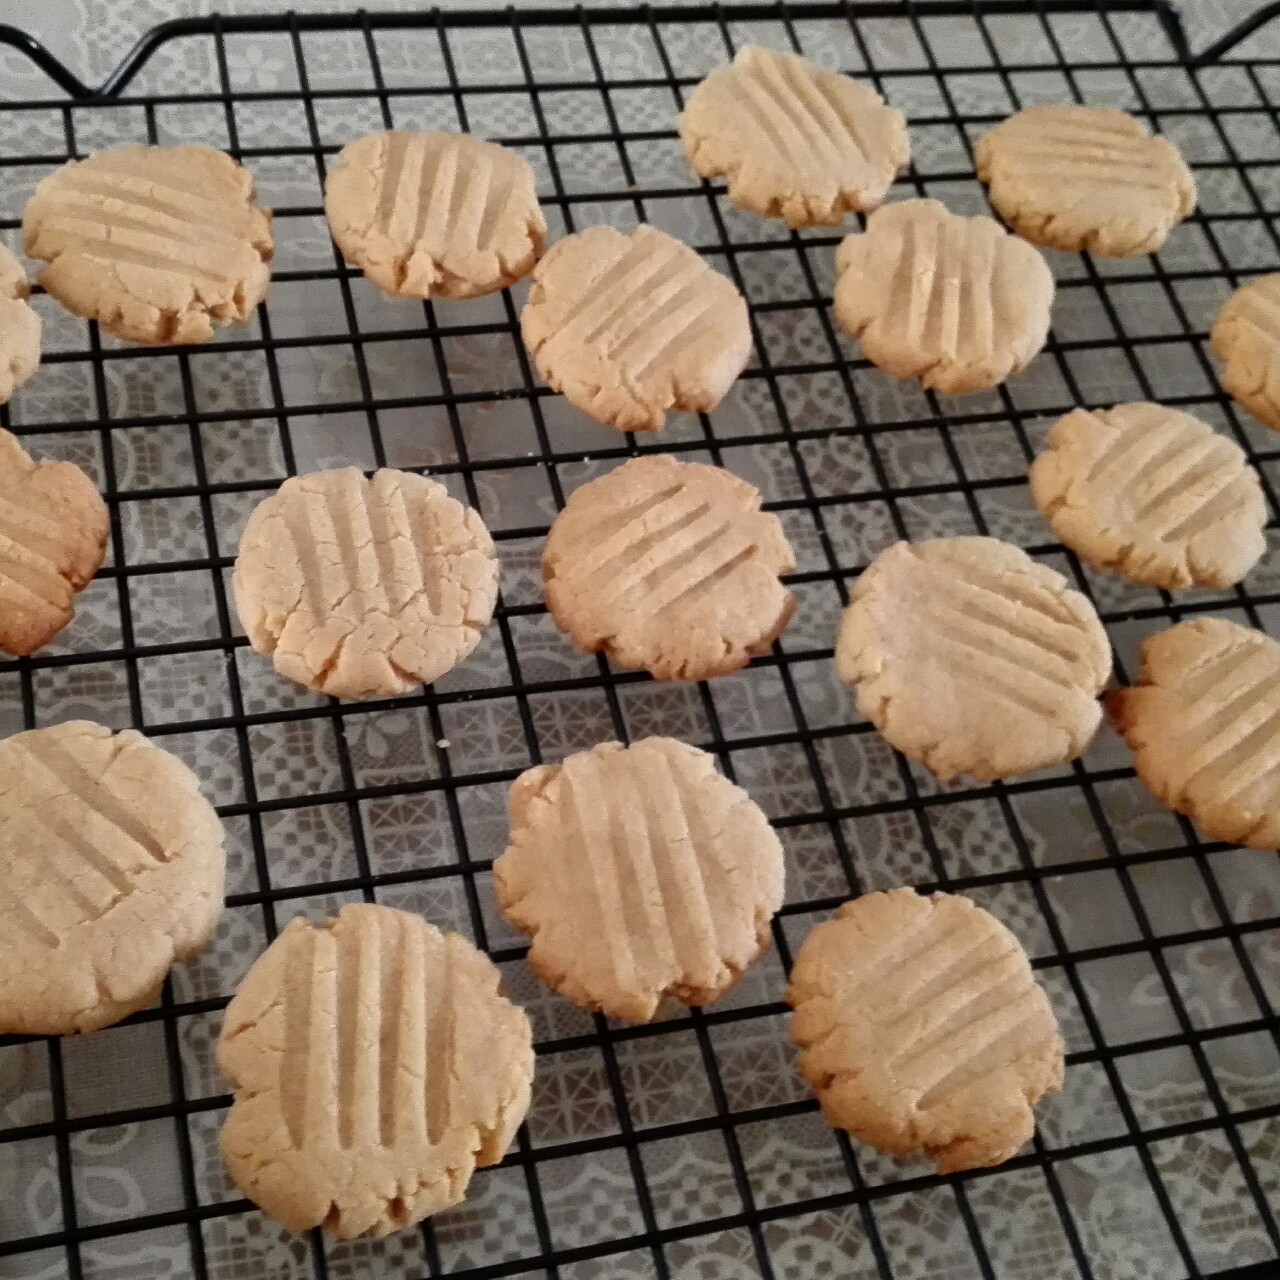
<point x="91" y="36"/>
<point x="128" y="1170"/>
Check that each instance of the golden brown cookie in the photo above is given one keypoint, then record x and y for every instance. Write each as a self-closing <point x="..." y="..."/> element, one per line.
<point x="972" y="658"/>
<point x="1152" y="493"/>
<point x="795" y="141"/>
<point x="1246" y="338"/>
<point x="362" y="587"/>
<point x="922" y="1028"/>
<point x="19" y="327"/>
<point x="111" y="868"/>
<point x="1204" y="723"/>
<point x="443" y="215"/>
<point x="53" y="536"/>
<point x="639" y="872"/>
<point x="956" y="302"/>
<point x="629" y="326"/>
<point x="668" y="566"/>
<point x="374" y="1064"/>
<point x="1093" y="178"/>
<point x="155" y="243"/>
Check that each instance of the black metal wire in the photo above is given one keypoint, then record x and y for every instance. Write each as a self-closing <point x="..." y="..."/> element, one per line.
<point x="831" y="811"/>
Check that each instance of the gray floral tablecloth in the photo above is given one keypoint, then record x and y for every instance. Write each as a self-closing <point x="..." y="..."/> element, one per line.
<point x="1107" y="1202"/>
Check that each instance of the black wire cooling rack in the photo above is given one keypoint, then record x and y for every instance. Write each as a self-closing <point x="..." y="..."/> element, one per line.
<point x="686" y="1148"/>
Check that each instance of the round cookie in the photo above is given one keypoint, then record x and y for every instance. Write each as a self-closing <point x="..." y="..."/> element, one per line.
<point x="374" y="1065"/>
<point x="972" y="658"/>
<point x="639" y="872"/>
<point x="434" y="215"/>
<point x="1093" y="178"/>
<point x="1246" y="338"/>
<point x="629" y="326"/>
<point x="922" y="1028"/>
<point x="111" y="868"/>
<point x="359" y="587"/>
<point x="19" y="327"/>
<point x="53" y="536"/>
<point x="670" y="567"/>
<point x="155" y="243"/>
<point x="796" y="142"/>
<point x="1203" y="721"/>
<point x="956" y="302"/>
<point x="1151" y="493"/>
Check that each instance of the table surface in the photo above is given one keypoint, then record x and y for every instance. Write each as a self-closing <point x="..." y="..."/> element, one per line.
<point x="91" y="36"/>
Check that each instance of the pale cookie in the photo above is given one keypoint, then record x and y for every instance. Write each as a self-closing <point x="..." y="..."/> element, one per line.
<point x="922" y="1028"/>
<point x="374" y="1065"/>
<point x="629" y="326"/>
<point x="670" y="567"/>
<point x="956" y="302"/>
<point x="972" y="658"/>
<point x="796" y="142"/>
<point x="1093" y="178"/>
<point x="435" y="215"/>
<point x="1246" y="338"/>
<point x="111" y="868"/>
<point x="19" y="327"/>
<point x="1204" y="724"/>
<point x="363" y="587"/>
<point x="155" y="243"/>
<point x="639" y="872"/>
<point x="1152" y="493"/>
<point x="53" y="536"/>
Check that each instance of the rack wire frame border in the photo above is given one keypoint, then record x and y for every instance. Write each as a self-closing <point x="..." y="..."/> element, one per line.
<point x="753" y="1218"/>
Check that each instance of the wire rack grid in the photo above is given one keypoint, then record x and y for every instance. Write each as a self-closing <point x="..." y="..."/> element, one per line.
<point x="686" y="1148"/>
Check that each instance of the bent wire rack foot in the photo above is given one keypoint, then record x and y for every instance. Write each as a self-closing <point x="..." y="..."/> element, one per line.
<point x="689" y="1147"/>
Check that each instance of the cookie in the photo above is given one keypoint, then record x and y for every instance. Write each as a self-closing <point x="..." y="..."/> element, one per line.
<point x="19" y="327"/>
<point x="359" y="588"/>
<point x="1152" y="493"/>
<point x="374" y="1065"/>
<point x="629" y="326"/>
<point x="639" y="872"/>
<point x="1074" y="177"/>
<point x="1246" y="338"/>
<point x="111" y="868"/>
<point x="972" y="658"/>
<point x="1203" y="720"/>
<point x="154" y="243"/>
<point x="922" y="1029"/>
<point x="670" y="567"/>
<point x="956" y="302"/>
<point x="796" y="142"/>
<point x="434" y="215"/>
<point x="53" y="536"/>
